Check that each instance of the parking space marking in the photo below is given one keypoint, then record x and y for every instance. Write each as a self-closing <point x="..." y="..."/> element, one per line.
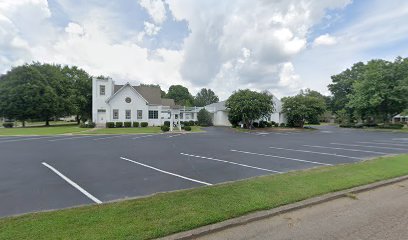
<point x="287" y="158"/>
<point x="368" y="146"/>
<point x="70" y="138"/>
<point x="27" y="139"/>
<point x="169" y="173"/>
<point x="322" y="153"/>
<point x="234" y="163"/>
<point x="346" y="149"/>
<point x="72" y="183"/>
<point x="97" y="139"/>
<point x="174" y="135"/>
<point x="382" y="143"/>
<point x="144" y="136"/>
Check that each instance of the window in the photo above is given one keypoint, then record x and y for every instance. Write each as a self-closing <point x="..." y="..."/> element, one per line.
<point x="153" y="114"/>
<point x="139" y="114"/>
<point x="128" y="114"/>
<point x="115" y="113"/>
<point x="102" y="90"/>
<point x="101" y="110"/>
<point x="128" y="100"/>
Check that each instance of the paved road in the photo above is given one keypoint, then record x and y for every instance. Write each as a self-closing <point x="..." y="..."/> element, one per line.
<point x="377" y="214"/>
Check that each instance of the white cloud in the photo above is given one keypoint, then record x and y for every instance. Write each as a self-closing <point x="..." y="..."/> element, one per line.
<point x="325" y="39"/>
<point x="74" y="28"/>
<point x="151" y="29"/>
<point x="156" y="10"/>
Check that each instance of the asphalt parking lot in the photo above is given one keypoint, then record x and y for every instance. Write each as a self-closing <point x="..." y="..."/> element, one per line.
<point x="52" y="172"/>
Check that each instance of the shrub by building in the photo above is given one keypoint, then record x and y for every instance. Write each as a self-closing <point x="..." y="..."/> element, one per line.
<point x="119" y="124"/>
<point x="204" y="118"/>
<point x="127" y="124"/>
<point x="144" y="124"/>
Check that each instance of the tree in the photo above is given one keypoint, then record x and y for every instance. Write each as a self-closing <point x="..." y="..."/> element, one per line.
<point x="301" y="108"/>
<point x="180" y="94"/>
<point x="204" y="118"/>
<point x="81" y="92"/>
<point x="380" y="91"/>
<point x="249" y="106"/>
<point x="56" y="98"/>
<point x="205" y="97"/>
<point x="21" y="90"/>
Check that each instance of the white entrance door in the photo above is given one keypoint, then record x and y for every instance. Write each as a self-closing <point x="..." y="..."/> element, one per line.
<point x="101" y="116"/>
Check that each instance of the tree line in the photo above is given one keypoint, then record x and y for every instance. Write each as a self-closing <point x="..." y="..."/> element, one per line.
<point x="370" y="92"/>
<point x="43" y="92"/>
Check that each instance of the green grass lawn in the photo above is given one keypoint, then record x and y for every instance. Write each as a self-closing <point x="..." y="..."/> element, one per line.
<point x="133" y="130"/>
<point x="167" y="213"/>
<point x="51" y="130"/>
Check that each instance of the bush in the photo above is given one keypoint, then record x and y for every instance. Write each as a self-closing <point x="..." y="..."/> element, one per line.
<point x="144" y="124"/>
<point x="8" y="124"/>
<point x="127" y="124"/>
<point x="358" y="125"/>
<point x="167" y="123"/>
<point x="255" y="125"/>
<point x="268" y="124"/>
<point x="282" y="125"/>
<point x="273" y="123"/>
<point x="196" y="123"/>
<point x="119" y="124"/>
<point x="165" y="128"/>
<point x="391" y="126"/>
<point x="370" y="124"/>
<point x="187" y="128"/>
<point x="191" y="123"/>
<point x="110" y="124"/>
<point x="204" y="118"/>
<point x="135" y="124"/>
<point x="276" y="124"/>
<point x="234" y="126"/>
<point x="186" y="123"/>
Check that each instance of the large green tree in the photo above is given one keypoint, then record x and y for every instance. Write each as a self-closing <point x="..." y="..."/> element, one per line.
<point x="205" y="97"/>
<point x="249" y="106"/>
<point x="180" y="94"/>
<point x="381" y="90"/>
<point x="80" y="84"/>
<point x="301" y="108"/>
<point x="21" y="91"/>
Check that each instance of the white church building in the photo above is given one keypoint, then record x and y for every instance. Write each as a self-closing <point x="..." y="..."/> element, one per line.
<point x="128" y="103"/>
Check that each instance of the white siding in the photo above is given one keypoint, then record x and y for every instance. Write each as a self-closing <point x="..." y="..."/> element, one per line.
<point x="137" y="103"/>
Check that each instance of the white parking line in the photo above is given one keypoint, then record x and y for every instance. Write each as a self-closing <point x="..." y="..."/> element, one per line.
<point x="322" y="153"/>
<point x="234" y="163"/>
<point x="287" y="158"/>
<point x="27" y="139"/>
<point x="90" y="196"/>
<point x="143" y="136"/>
<point x="169" y="173"/>
<point x="368" y="146"/>
<point x="174" y="135"/>
<point x="97" y="139"/>
<point x="345" y="149"/>
<point x="70" y="138"/>
<point x="382" y="143"/>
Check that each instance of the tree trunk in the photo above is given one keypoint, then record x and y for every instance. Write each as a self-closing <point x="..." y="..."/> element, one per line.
<point x="23" y="123"/>
<point x="47" y="122"/>
<point x="78" y="119"/>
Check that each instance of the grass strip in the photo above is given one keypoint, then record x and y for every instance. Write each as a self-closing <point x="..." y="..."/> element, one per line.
<point x="168" y="213"/>
<point x="41" y="130"/>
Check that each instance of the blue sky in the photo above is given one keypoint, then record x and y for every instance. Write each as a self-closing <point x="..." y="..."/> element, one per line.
<point x="280" y="46"/>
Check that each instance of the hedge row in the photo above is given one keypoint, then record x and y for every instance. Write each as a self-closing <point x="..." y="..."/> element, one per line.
<point x="384" y="126"/>
<point x="126" y="124"/>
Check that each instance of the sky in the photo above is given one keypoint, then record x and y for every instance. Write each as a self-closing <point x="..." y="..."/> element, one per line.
<point x="277" y="45"/>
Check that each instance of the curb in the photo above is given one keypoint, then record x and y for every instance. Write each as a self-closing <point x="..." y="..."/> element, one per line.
<point x="216" y="227"/>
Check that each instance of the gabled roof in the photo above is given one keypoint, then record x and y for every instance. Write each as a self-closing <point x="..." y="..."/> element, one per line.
<point x="152" y="95"/>
<point x="119" y="88"/>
